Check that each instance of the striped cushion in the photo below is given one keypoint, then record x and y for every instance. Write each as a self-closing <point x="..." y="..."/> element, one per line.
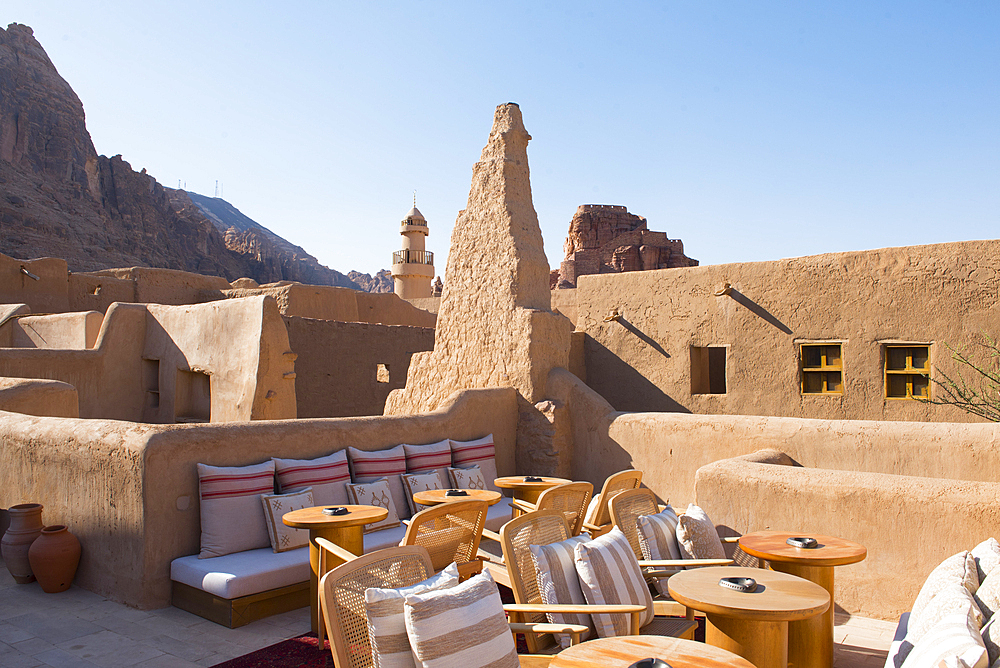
<point x="388" y="464"/>
<point x="386" y="624"/>
<point x="952" y="598"/>
<point x="461" y="626"/>
<point x="658" y="539"/>
<point x="697" y="535"/>
<point x="420" y="482"/>
<point x="609" y="575"/>
<point x="284" y="538"/>
<point x="558" y="581"/>
<point x="374" y="494"/>
<point x="480" y="452"/>
<point x="325" y="475"/>
<point x="435" y="457"/>
<point x="949" y="639"/>
<point x="232" y="518"/>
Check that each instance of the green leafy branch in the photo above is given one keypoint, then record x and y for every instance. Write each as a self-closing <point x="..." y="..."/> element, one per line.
<point x="979" y="394"/>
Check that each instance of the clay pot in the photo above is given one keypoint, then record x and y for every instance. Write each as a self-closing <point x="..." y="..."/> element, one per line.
<point x="25" y="527"/>
<point x="54" y="556"/>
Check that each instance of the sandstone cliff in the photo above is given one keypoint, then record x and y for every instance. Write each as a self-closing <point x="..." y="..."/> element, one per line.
<point x="380" y="282"/>
<point x="59" y="198"/>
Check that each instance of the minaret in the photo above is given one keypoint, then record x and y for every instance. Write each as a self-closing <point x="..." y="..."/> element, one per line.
<point x="413" y="267"/>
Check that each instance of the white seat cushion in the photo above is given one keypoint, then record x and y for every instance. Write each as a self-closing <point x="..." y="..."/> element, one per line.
<point x="498" y="515"/>
<point x="242" y="573"/>
<point x="390" y="537"/>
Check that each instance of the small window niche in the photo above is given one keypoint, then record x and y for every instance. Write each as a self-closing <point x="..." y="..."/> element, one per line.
<point x="708" y="370"/>
<point x="822" y="368"/>
<point x="193" y="398"/>
<point x="907" y="371"/>
<point x="382" y="373"/>
<point x="151" y="382"/>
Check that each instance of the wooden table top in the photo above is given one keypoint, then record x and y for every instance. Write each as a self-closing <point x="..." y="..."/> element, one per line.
<point x="517" y="481"/>
<point x="623" y="651"/>
<point x="779" y="596"/>
<point x="432" y="497"/>
<point x="312" y="518"/>
<point x="831" y="551"/>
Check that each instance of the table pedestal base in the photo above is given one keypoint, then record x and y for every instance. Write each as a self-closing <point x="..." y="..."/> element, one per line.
<point x="764" y="644"/>
<point x="810" y="641"/>
<point x="351" y="539"/>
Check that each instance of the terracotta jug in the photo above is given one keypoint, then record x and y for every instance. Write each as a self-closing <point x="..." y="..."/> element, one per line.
<point x="25" y="527"/>
<point x="54" y="556"/>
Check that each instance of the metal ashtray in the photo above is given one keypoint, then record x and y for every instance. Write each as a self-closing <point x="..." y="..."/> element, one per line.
<point x="650" y="663"/>
<point x="746" y="585"/>
<point x="532" y="478"/>
<point x="335" y="510"/>
<point x="456" y="492"/>
<point x="804" y="542"/>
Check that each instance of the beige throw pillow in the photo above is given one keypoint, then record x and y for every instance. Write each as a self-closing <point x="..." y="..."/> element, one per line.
<point x="375" y="494"/>
<point x="325" y="475"/>
<point x="389" y="464"/>
<point x="697" y="535"/>
<point x="284" y="538"/>
<point x="480" y="452"/>
<point x="959" y="568"/>
<point x="988" y="595"/>
<point x="987" y="556"/>
<point x="658" y="540"/>
<point x="470" y="478"/>
<point x="609" y="574"/>
<point x="419" y="482"/>
<point x="950" y="638"/>
<point x="953" y="597"/>
<point x="555" y="569"/>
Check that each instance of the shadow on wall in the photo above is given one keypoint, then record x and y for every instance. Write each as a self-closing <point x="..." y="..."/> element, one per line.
<point x="758" y="310"/>
<point x="622" y="385"/>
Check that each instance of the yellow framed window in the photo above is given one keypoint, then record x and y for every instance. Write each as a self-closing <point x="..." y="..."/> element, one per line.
<point x="907" y="372"/>
<point x="822" y="368"/>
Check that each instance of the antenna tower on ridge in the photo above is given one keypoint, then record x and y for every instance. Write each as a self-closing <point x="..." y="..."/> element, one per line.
<point x="216" y="187"/>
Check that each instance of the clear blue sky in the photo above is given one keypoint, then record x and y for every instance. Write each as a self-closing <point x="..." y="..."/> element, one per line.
<point x="751" y="130"/>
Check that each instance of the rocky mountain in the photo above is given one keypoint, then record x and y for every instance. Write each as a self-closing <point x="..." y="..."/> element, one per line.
<point x="380" y="282"/>
<point x="59" y="198"/>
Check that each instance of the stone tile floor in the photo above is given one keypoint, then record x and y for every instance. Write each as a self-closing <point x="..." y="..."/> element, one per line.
<point x="77" y="628"/>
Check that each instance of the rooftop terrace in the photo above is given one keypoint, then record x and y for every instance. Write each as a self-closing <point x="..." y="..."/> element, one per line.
<point x="80" y="629"/>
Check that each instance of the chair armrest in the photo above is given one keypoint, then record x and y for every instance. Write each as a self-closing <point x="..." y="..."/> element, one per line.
<point x="337" y="550"/>
<point x="573" y="608"/>
<point x="491" y="535"/>
<point x="523" y="505"/>
<point x="668" y="563"/>
<point x="531" y="627"/>
<point x="730" y="539"/>
<point x="660" y="574"/>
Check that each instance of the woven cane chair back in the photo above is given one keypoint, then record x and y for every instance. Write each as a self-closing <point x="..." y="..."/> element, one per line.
<point x="626" y="507"/>
<point x="614" y="485"/>
<point x="540" y="527"/>
<point x="571" y="499"/>
<point x="449" y="531"/>
<point x="342" y="595"/>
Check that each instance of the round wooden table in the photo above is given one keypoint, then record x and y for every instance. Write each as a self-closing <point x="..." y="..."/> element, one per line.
<point x="433" y="497"/>
<point x="624" y="651"/>
<point x="343" y="530"/>
<point x="814" y="635"/>
<point x="753" y="625"/>
<point x="527" y="491"/>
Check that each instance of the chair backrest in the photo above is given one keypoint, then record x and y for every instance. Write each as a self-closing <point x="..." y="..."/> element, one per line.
<point x="626" y="507"/>
<point x="449" y="531"/>
<point x="572" y="499"/>
<point x="342" y="595"/>
<point x="540" y="527"/>
<point x="614" y="485"/>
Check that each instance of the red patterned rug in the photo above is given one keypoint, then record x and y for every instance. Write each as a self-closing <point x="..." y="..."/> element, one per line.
<point x="300" y="652"/>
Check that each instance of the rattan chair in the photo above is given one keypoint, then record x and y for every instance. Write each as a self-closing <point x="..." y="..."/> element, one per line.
<point x="450" y="532"/>
<point x="543" y="527"/>
<point x="600" y="521"/>
<point x="342" y="601"/>
<point x="571" y="498"/>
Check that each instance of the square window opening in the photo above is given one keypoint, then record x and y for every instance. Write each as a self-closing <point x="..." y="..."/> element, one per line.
<point x="907" y="372"/>
<point x="821" y="367"/>
<point x="708" y="370"/>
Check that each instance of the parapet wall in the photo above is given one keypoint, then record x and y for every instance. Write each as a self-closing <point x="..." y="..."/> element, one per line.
<point x="150" y="472"/>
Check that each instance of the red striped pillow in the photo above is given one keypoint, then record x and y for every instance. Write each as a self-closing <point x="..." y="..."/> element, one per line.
<point x="389" y="464"/>
<point x="435" y="457"/>
<point x="480" y="452"/>
<point x="232" y="518"/>
<point x="326" y="475"/>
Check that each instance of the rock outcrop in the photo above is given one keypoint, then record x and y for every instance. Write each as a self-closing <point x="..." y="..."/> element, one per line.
<point x="59" y="198"/>
<point x="380" y="282"/>
<point x="495" y="327"/>
<point x="605" y="239"/>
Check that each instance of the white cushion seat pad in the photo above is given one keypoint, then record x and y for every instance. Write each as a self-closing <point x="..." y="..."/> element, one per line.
<point x="383" y="538"/>
<point x="497" y="515"/>
<point x="242" y="573"/>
